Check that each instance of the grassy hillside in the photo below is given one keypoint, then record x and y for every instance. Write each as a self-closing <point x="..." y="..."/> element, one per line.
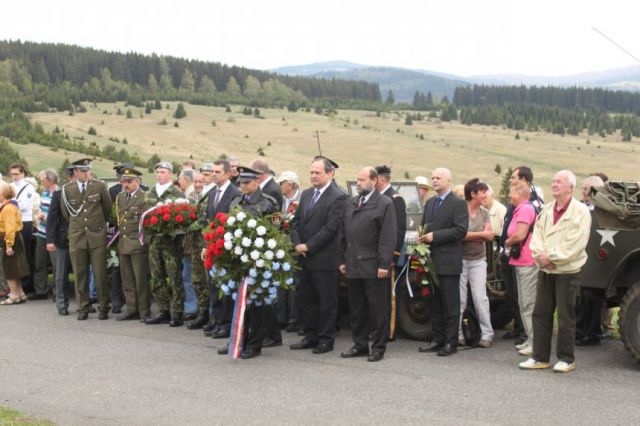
<point x="352" y="138"/>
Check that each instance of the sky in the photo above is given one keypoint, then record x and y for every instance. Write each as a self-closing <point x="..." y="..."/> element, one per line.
<point x="542" y="37"/>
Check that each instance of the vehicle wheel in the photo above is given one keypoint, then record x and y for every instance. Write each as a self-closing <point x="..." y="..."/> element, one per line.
<point x="629" y="321"/>
<point x="500" y="314"/>
<point x="413" y="313"/>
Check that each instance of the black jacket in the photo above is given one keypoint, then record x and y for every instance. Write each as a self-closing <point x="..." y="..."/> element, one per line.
<point x="231" y="193"/>
<point x="449" y="226"/>
<point x="368" y="236"/>
<point x="57" y="226"/>
<point x="401" y="218"/>
<point x="273" y="190"/>
<point x="319" y="228"/>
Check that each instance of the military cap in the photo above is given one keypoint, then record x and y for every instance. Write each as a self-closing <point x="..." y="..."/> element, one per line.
<point x="130" y="173"/>
<point x="164" y="165"/>
<point x="206" y="167"/>
<point x="247" y="175"/>
<point x="322" y="157"/>
<point x="82" y="164"/>
<point x="383" y="170"/>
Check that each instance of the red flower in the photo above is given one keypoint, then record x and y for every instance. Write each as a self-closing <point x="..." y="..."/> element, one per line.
<point x="220" y="243"/>
<point x="420" y="269"/>
<point x="153" y="220"/>
<point x="192" y="216"/>
<point x="212" y="225"/>
<point x="424" y="291"/>
<point x="208" y="263"/>
<point x="222" y="217"/>
<point x="179" y="218"/>
<point x="220" y="230"/>
<point x="166" y="217"/>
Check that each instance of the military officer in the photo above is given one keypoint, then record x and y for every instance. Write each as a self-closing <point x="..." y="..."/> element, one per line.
<point x="258" y="204"/>
<point x="134" y="256"/>
<point x="87" y="207"/>
<point x="165" y="255"/>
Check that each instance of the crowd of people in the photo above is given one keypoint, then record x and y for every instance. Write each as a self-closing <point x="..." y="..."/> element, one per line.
<point x="76" y="223"/>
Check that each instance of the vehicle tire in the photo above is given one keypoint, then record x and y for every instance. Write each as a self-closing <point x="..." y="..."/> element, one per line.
<point x="413" y="313"/>
<point x="500" y="314"/>
<point x="629" y="321"/>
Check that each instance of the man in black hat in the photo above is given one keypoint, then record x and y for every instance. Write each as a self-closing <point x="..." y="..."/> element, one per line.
<point x="165" y="255"/>
<point x="134" y="256"/>
<point x="315" y="235"/>
<point x="87" y="207"/>
<point x="258" y="204"/>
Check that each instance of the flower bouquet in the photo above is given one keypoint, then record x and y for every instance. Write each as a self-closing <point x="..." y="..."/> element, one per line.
<point x="241" y="247"/>
<point x="169" y="218"/>
<point x="420" y="263"/>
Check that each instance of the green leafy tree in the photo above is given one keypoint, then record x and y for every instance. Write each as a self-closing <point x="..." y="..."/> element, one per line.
<point x="233" y="88"/>
<point x="187" y="83"/>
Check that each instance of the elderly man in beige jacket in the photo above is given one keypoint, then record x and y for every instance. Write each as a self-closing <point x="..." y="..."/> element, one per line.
<point x="558" y="247"/>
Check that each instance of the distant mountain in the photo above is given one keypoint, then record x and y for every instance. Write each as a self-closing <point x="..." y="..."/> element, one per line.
<point x="319" y="67"/>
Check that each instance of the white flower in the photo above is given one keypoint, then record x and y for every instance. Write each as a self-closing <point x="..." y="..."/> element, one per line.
<point x="231" y="220"/>
<point x="237" y="233"/>
<point x="268" y="255"/>
<point x="271" y="243"/>
<point x="259" y="242"/>
<point x="181" y="201"/>
<point x="260" y="263"/>
<point x="261" y="230"/>
<point x="255" y="255"/>
<point x="228" y="245"/>
<point x="280" y="254"/>
<point x="240" y="216"/>
<point x="244" y="258"/>
<point x="159" y="203"/>
<point x="237" y="250"/>
<point x="246" y="242"/>
<point x="228" y="236"/>
<point x="252" y="223"/>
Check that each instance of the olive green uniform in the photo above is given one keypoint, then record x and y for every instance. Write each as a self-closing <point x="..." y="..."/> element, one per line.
<point x="134" y="256"/>
<point x="193" y="244"/>
<point x="88" y="214"/>
<point x="165" y="260"/>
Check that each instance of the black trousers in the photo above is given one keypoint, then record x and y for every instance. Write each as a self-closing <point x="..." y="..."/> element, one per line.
<point x="255" y="327"/>
<point x="369" y="305"/>
<point x="116" y="293"/>
<point x="444" y="305"/>
<point x="555" y="291"/>
<point x="221" y="309"/>
<point x="29" y="250"/>
<point x="272" y="328"/>
<point x="318" y="292"/>
<point x="511" y="287"/>
<point x="589" y="312"/>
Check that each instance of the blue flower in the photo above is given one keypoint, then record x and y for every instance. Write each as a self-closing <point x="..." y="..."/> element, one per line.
<point x="257" y="291"/>
<point x="275" y="283"/>
<point x="234" y="296"/>
<point x="266" y="274"/>
<point x="231" y="284"/>
<point x="257" y="302"/>
<point x="275" y="266"/>
<point x="265" y="284"/>
<point x="224" y="288"/>
<point x="253" y="273"/>
<point x="268" y="300"/>
<point x="273" y="290"/>
<point x="222" y="272"/>
<point x="251" y="281"/>
<point x="289" y="281"/>
<point x="286" y="267"/>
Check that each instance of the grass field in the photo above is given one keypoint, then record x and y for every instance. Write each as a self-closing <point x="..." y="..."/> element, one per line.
<point x="10" y="417"/>
<point x="352" y="138"/>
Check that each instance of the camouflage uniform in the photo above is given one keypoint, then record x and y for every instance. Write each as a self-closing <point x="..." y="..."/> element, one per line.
<point x="195" y="242"/>
<point x="165" y="259"/>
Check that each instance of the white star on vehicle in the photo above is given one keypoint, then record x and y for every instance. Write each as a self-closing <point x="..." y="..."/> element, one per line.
<point x="607" y="236"/>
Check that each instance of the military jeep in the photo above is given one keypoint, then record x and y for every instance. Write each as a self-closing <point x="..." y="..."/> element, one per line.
<point x="612" y="272"/>
<point x="412" y="313"/>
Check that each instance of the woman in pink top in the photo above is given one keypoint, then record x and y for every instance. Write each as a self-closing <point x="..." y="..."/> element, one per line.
<point x="517" y="243"/>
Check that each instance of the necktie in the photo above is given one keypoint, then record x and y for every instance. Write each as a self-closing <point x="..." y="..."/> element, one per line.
<point x="216" y="199"/>
<point x="128" y="196"/>
<point x="360" y="201"/>
<point x="314" y="199"/>
<point x="437" y="204"/>
<point x="82" y="188"/>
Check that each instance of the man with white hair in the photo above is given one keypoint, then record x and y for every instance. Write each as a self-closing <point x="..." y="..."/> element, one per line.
<point x="49" y="180"/>
<point x="497" y="211"/>
<point x="558" y="246"/>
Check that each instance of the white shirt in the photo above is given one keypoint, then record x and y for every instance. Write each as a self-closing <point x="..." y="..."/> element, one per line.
<point x="383" y="190"/>
<point x="324" y="188"/>
<point x="25" y="201"/>
<point x="266" y="181"/>
<point x="161" y="188"/>
<point x="223" y="188"/>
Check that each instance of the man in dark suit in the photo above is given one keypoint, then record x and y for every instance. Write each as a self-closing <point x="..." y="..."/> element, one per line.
<point x="219" y="201"/>
<point x="368" y="239"/>
<point x="447" y="219"/>
<point x="315" y="235"/>
<point x="56" y="238"/>
<point x="86" y="204"/>
<point x="270" y="187"/>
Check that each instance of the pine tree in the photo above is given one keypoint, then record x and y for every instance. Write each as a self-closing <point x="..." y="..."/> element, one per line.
<point x="180" y="111"/>
<point x="503" y="196"/>
<point x="390" y="98"/>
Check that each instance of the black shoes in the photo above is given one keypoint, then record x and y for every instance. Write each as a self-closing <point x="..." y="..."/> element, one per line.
<point x="200" y="321"/>
<point x="375" y="356"/>
<point x="223" y="351"/>
<point x="209" y="327"/>
<point x="430" y="347"/>
<point x="270" y="343"/>
<point x="160" y="318"/>
<point x="103" y="315"/>
<point x="82" y="316"/>
<point x="36" y="296"/>
<point x="355" y="352"/>
<point x="63" y="312"/>
<point x="116" y="309"/>
<point x="221" y="333"/>
<point x="303" y="344"/>
<point x="128" y="316"/>
<point x="588" y="341"/>
<point x="322" y="348"/>
<point x="176" y="320"/>
<point x="292" y="327"/>
<point x="250" y="353"/>
<point x="448" y="350"/>
<point x="190" y="316"/>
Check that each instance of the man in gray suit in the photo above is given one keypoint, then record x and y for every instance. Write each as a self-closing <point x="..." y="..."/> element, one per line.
<point x="447" y="219"/>
<point x="368" y="239"/>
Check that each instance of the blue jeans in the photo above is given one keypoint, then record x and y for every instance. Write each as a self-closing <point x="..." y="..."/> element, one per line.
<point x="190" y="300"/>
